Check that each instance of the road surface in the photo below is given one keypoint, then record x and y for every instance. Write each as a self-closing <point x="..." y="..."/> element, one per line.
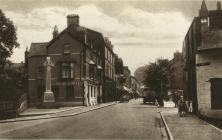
<point x="132" y="120"/>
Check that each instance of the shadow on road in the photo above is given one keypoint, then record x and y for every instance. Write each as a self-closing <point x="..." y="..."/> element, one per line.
<point x="146" y="104"/>
<point x="144" y="107"/>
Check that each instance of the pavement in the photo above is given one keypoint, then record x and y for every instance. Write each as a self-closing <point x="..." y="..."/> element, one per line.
<point x="36" y="114"/>
<point x="132" y="120"/>
<point x="189" y="127"/>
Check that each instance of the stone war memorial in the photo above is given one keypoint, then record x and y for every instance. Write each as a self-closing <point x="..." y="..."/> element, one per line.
<point x="49" y="99"/>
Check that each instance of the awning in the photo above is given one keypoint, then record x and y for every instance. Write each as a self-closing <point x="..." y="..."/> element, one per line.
<point x="91" y="62"/>
<point x="127" y="89"/>
<point x="99" y="67"/>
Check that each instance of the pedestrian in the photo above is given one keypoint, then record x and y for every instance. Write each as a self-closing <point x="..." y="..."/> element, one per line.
<point x="176" y="98"/>
<point x="160" y="100"/>
<point x="182" y="107"/>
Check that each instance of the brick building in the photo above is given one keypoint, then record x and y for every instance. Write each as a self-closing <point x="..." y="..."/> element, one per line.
<point x="203" y="62"/>
<point x="77" y="75"/>
<point x="109" y="85"/>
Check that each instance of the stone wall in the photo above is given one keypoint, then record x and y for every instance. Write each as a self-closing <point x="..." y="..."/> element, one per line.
<point x="209" y="65"/>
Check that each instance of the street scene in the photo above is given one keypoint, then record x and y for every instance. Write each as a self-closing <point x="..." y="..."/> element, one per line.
<point x="108" y="123"/>
<point x="111" y="70"/>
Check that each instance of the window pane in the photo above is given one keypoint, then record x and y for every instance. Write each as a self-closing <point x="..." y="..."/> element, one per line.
<point x="71" y="73"/>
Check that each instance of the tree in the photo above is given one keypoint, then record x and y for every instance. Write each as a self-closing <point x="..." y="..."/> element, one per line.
<point x="157" y="77"/>
<point x="139" y="73"/>
<point x="11" y="79"/>
<point x="13" y="82"/>
<point x="8" y="40"/>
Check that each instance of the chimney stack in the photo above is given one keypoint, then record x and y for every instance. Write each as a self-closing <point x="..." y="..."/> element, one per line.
<point x="218" y="5"/>
<point x="72" y="19"/>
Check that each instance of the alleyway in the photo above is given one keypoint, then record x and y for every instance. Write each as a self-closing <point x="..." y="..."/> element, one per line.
<point x="132" y="120"/>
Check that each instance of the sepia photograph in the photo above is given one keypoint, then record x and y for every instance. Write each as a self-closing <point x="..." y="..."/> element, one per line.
<point x="111" y="69"/>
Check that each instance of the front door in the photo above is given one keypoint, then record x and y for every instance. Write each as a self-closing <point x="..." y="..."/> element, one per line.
<point x="216" y="93"/>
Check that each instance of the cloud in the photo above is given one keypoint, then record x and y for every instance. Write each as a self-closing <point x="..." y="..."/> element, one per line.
<point x="134" y="32"/>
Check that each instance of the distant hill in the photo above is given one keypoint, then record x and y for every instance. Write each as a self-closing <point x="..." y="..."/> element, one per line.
<point x="139" y="73"/>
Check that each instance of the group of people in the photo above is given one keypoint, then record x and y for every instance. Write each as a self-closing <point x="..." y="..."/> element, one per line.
<point x="180" y="103"/>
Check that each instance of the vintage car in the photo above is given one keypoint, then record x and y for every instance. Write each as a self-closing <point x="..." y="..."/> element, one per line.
<point x="149" y="96"/>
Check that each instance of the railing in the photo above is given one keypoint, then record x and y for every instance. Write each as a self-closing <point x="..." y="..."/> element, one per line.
<point x="8" y="109"/>
<point x="11" y="109"/>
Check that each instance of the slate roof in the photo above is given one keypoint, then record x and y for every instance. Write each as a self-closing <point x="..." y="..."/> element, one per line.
<point x="94" y="38"/>
<point x="37" y="49"/>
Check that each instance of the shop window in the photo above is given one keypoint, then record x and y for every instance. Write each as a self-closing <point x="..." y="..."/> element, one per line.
<point x="91" y="71"/>
<point x="99" y="75"/>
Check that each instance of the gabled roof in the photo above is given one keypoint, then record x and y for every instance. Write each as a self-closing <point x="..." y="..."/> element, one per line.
<point x="37" y="49"/>
<point x="77" y="32"/>
<point x="92" y="37"/>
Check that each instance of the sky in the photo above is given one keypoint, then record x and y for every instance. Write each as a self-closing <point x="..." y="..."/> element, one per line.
<point x="140" y="30"/>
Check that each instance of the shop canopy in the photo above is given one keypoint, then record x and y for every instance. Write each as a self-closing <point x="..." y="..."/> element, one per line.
<point x="127" y="89"/>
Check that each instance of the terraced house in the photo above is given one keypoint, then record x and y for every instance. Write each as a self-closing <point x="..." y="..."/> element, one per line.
<point x="78" y="72"/>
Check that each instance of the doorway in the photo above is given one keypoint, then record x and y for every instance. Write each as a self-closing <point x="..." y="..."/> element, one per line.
<point x="216" y="93"/>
